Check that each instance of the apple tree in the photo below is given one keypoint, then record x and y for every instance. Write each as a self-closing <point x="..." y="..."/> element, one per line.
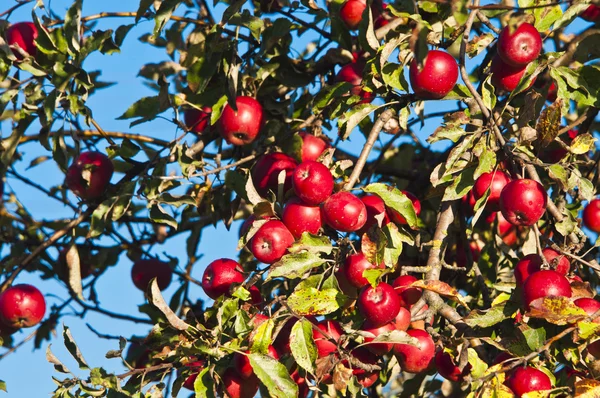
<point x="455" y="265"/>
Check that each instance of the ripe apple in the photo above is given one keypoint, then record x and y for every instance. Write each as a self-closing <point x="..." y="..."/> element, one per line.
<point x="364" y="378"/>
<point x="415" y="359"/>
<point x="312" y="182"/>
<point x="196" y="120"/>
<point x="355" y="265"/>
<point x="300" y="380"/>
<point x="407" y="295"/>
<point x="558" y="262"/>
<point x="143" y="271"/>
<point x="353" y="73"/>
<point x="22" y="35"/>
<point x="238" y="387"/>
<point x="397" y="217"/>
<point x="197" y="367"/>
<point x="494" y="181"/>
<point x="420" y="324"/>
<point x="527" y="379"/>
<point x="300" y="217"/>
<point x="22" y="306"/>
<point x="520" y="46"/>
<point x="552" y="92"/>
<point x="327" y="329"/>
<point x="375" y="209"/>
<point x="351" y="13"/>
<point x="447" y="367"/>
<point x="591" y="14"/>
<point x="523" y="202"/>
<point x="378" y="348"/>
<point x="271" y="242"/>
<point x="241" y="127"/>
<point x="312" y="146"/>
<point x="220" y="275"/>
<point x="437" y="76"/>
<point x="242" y="363"/>
<point x="379" y="305"/>
<point x="545" y="283"/>
<point x="506" y="230"/>
<point x="402" y="320"/>
<point x="590" y="306"/>
<point x="526" y="266"/>
<point x="89" y="175"/>
<point x="504" y="76"/>
<point x="265" y="172"/>
<point x="258" y="319"/>
<point x="591" y="215"/>
<point x="344" y="212"/>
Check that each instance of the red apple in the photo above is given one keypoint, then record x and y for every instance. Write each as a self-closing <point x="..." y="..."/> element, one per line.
<point x="237" y="387"/>
<point x="22" y="35"/>
<point x="271" y="242"/>
<point x="344" y="212"/>
<point x="312" y="147"/>
<point x="353" y="73"/>
<point x="523" y="202"/>
<point x="351" y="13"/>
<point x="447" y="367"/>
<point x="526" y="266"/>
<point x="258" y="319"/>
<point x="220" y="275"/>
<point x="300" y="217"/>
<point x="437" y="76"/>
<point x="89" y="175"/>
<point x="265" y="172"/>
<point x="558" y="262"/>
<point x="379" y="305"/>
<point x="365" y="379"/>
<point x="375" y="210"/>
<point x="591" y="215"/>
<point x="22" y="306"/>
<point x="300" y="380"/>
<point x="242" y="363"/>
<point x="495" y="182"/>
<point x="143" y="271"/>
<point x="402" y="320"/>
<point x="397" y="217"/>
<point x="408" y="295"/>
<point x="197" y="367"/>
<point x="325" y="330"/>
<point x="591" y="14"/>
<point x="590" y="306"/>
<point x="504" y="76"/>
<point x="552" y="92"/>
<point x="196" y="120"/>
<point x="355" y="265"/>
<point x="241" y="126"/>
<point x="312" y="182"/>
<point x="378" y="348"/>
<point x="524" y="380"/>
<point x="545" y="283"/>
<point x="415" y="359"/>
<point x="506" y="230"/>
<point x="520" y="46"/>
<point x="420" y="324"/>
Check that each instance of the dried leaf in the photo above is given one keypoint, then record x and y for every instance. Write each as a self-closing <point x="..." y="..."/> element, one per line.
<point x="548" y="124"/>
<point x="156" y="298"/>
<point x="441" y="288"/>
<point x="556" y="310"/>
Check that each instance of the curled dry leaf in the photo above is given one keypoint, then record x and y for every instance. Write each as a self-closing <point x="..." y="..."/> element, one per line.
<point x="441" y="288"/>
<point x="556" y="310"/>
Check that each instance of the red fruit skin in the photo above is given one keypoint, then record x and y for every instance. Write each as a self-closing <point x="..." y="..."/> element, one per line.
<point x="22" y="306"/>
<point x="590" y="306"/>
<point x="237" y="387"/>
<point x="378" y="348"/>
<point x="437" y="77"/>
<point x="506" y="230"/>
<point x="353" y="73"/>
<point x="559" y="262"/>
<point x="524" y="380"/>
<point x="355" y="265"/>
<point x="528" y="265"/>
<point x="545" y="283"/>
<point x="89" y="175"/>
<point x="591" y="215"/>
<point x="351" y="13"/>
<point x="415" y="359"/>
<point x="521" y="46"/>
<point x="379" y="305"/>
<point x="189" y="382"/>
<point x="255" y="296"/>
<point x="447" y="368"/>
<point x="503" y="356"/>
<point x="344" y="212"/>
<point x="375" y="207"/>
<point x="143" y="271"/>
<point x="241" y="127"/>
<point x="258" y="319"/>
<point x="552" y="93"/>
<point x="312" y="182"/>
<point x="523" y="202"/>
<point x="271" y="242"/>
<point x="324" y="345"/>
<point x="242" y="363"/>
<point x="312" y="147"/>
<point x="196" y="120"/>
<point x="397" y="217"/>
<point x="300" y="380"/>
<point x="22" y="34"/>
<point x="407" y="295"/>
<point x="495" y="182"/>
<point x="266" y="171"/>
<point x="505" y="76"/>
<point x="300" y="217"/>
<point x="220" y="275"/>
<point x="364" y="378"/>
<point x="402" y="321"/>
<point x="420" y="324"/>
<point x="591" y="14"/>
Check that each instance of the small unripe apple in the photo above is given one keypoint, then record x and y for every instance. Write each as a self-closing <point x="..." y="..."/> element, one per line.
<point x="545" y="283"/>
<point x="242" y="363"/>
<point x="220" y="275"/>
<point x="196" y="120"/>
<point x="327" y="329"/>
<point x="351" y="13"/>
<point x="355" y="265"/>
<point x="591" y="215"/>
<point x="312" y="146"/>
<point x="271" y="242"/>
<point x="402" y="320"/>
<point x="447" y="367"/>
<point x="520" y="46"/>
<point x="143" y="271"/>
<point x="408" y="295"/>
<point x="375" y="208"/>
<point x="415" y="359"/>
<point x="379" y="305"/>
<point x="300" y="217"/>
<point x="353" y="73"/>
<point x="344" y="212"/>
<point x="241" y="126"/>
<point x="399" y="218"/>
<point x="265" y="172"/>
<point x="312" y="182"/>
<point x="238" y="387"/>
<point x="437" y="76"/>
<point x="524" y="380"/>
<point x="494" y="181"/>
<point x="89" y="175"/>
<point x="22" y="306"/>
<point x="22" y="35"/>
<point x="523" y="202"/>
<point x="591" y="14"/>
<point x="378" y="348"/>
<point x="504" y="76"/>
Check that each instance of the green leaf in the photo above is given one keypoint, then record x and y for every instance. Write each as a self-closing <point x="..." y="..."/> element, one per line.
<point x="487" y="162"/>
<point x="312" y="243"/>
<point x="459" y="92"/>
<point x="349" y="120"/>
<point x="535" y="337"/>
<point x="488" y="93"/>
<point x="491" y="317"/>
<point x="203" y="386"/>
<point x="263" y="337"/>
<point x="254" y="24"/>
<point x="156" y="299"/>
<point x="396" y="200"/>
<point x="142" y="9"/>
<point x="98" y="222"/>
<point x="461" y="185"/>
<point x="3" y="386"/>
<point x="478" y="366"/>
<point x="588" y="329"/>
<point x="73" y="349"/>
<point x="163" y="14"/>
<point x="72" y="27"/>
<point x="572" y="12"/>
<point x="274" y="376"/>
<point x="160" y="216"/>
<point x="295" y="265"/>
<point x="546" y="16"/>
<point x="567" y="225"/>
<point x="393" y="247"/>
<point x="559" y="174"/>
<point x="396" y="337"/>
<point x="303" y="346"/>
<point x="451" y="132"/>
<point x="582" y="144"/>
<point x="311" y="301"/>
